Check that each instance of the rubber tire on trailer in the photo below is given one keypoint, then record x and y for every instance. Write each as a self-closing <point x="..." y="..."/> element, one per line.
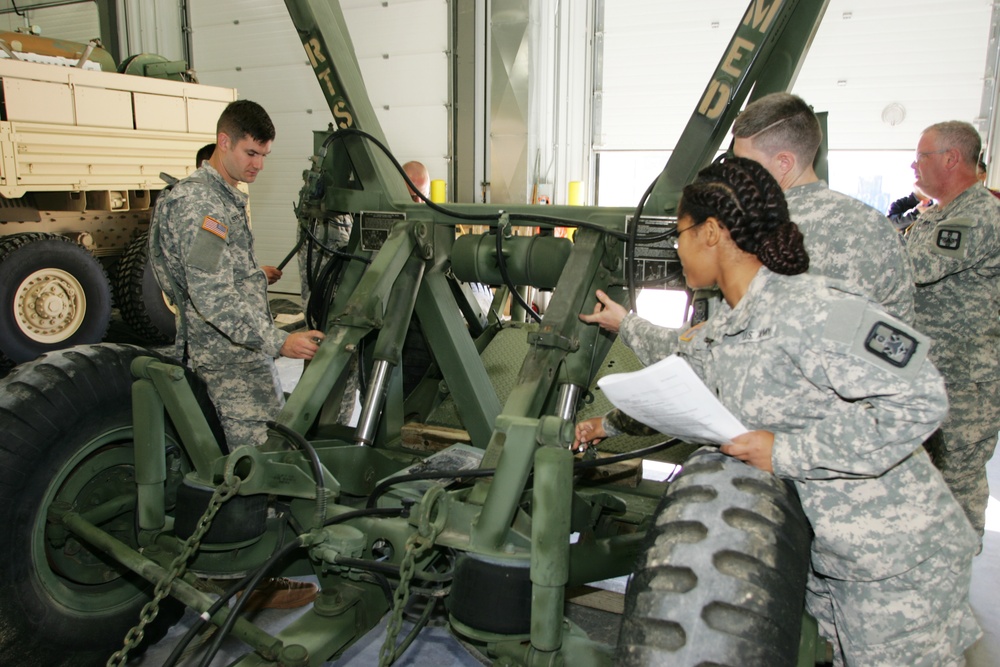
<point x="722" y="581"/>
<point x="139" y="297"/>
<point x="67" y="424"/>
<point x="56" y="263"/>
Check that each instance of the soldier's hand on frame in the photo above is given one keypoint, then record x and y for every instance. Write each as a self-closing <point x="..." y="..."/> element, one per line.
<point x="302" y="344"/>
<point x="588" y="432"/>
<point x="608" y="314"/>
<point x="754" y="448"/>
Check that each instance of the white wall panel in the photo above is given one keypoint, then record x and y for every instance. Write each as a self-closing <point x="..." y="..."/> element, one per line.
<point x="74" y="23"/>
<point x="928" y="56"/>
<point x="252" y="46"/>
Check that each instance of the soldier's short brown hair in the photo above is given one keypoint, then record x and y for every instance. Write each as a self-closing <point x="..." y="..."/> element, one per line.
<point x="245" y="118"/>
<point x="781" y="121"/>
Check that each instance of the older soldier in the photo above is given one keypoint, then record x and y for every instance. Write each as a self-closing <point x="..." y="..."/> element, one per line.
<point x="839" y="396"/>
<point x="955" y="249"/>
<point x="201" y="248"/>
<point x="846" y="238"/>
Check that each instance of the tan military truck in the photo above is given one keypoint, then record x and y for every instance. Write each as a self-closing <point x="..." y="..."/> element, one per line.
<point x="81" y="153"/>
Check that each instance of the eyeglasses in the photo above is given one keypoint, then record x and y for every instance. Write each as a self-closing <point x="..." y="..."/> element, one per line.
<point x="678" y="237"/>
<point x="922" y="154"/>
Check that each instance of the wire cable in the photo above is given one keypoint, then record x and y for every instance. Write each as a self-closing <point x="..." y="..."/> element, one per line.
<point x="487" y="218"/>
<point x="241" y="602"/>
<point x="502" y="265"/>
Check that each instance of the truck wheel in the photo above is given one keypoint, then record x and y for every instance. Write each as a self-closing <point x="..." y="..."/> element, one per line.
<point x="140" y="300"/>
<point x="723" y="578"/>
<point x="53" y="294"/>
<point x="67" y="425"/>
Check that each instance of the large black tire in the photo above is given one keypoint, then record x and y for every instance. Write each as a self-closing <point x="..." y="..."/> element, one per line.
<point x="66" y="420"/>
<point x="140" y="301"/>
<point x="53" y="294"/>
<point x="723" y="578"/>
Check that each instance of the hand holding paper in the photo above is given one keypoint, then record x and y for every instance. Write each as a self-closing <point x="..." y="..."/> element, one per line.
<point x="670" y="397"/>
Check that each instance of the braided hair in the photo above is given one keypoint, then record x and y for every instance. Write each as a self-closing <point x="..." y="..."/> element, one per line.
<point x="747" y="201"/>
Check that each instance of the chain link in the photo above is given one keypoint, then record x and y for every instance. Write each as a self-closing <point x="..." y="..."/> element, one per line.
<point x="417" y="544"/>
<point x="230" y="485"/>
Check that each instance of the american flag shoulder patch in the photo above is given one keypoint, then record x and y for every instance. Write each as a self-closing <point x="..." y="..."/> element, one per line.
<point x="210" y="224"/>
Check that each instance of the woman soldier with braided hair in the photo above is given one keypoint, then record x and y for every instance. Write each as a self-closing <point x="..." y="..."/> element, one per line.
<point x="839" y="397"/>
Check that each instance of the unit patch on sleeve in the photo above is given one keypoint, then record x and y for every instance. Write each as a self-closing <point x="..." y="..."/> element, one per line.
<point x="949" y="239"/>
<point x="891" y="344"/>
<point x="210" y="224"/>
<point x="952" y="237"/>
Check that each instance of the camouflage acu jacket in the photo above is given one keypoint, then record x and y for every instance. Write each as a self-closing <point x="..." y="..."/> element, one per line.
<point x="201" y="246"/>
<point x="848" y="240"/>
<point x="955" y="252"/>
<point x="850" y="395"/>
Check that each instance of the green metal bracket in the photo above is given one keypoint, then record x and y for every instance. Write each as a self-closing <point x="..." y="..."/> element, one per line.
<point x="184" y="410"/>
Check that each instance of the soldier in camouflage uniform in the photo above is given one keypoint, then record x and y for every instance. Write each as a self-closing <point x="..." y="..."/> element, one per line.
<point x="845" y="238"/>
<point x="839" y="396"/>
<point x="955" y="249"/>
<point x="201" y="249"/>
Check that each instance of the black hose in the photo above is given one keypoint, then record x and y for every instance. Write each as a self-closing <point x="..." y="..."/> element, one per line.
<point x="382" y="486"/>
<point x="317" y="467"/>
<point x="618" y="458"/>
<point x="630" y="243"/>
<point x="241" y="602"/>
<point x="502" y="265"/>
<point x="479" y="218"/>
<point x="201" y="621"/>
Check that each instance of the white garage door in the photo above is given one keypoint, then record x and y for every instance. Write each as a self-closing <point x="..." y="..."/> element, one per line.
<point x="923" y="58"/>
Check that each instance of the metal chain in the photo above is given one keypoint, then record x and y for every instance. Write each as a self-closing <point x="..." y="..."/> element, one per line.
<point x="417" y="544"/>
<point x="230" y="485"/>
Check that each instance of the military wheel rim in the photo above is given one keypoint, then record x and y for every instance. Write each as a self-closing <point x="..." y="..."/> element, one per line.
<point x="99" y="478"/>
<point x="50" y="305"/>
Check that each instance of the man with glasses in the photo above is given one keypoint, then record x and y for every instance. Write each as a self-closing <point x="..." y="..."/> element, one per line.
<point x="955" y="250"/>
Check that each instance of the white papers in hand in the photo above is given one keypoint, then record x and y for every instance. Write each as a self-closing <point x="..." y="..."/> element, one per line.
<point x="671" y="398"/>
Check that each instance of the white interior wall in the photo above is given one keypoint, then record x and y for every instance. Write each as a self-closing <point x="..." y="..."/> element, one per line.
<point x="74" y="23"/>
<point x="151" y="26"/>
<point x="561" y="82"/>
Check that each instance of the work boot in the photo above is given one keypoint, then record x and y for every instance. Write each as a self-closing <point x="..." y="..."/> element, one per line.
<point x="281" y="593"/>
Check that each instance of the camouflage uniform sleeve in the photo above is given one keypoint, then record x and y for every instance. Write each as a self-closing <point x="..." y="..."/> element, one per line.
<point x="649" y="341"/>
<point x="225" y="291"/>
<point x="617" y="422"/>
<point x="887" y="398"/>
<point x="951" y="246"/>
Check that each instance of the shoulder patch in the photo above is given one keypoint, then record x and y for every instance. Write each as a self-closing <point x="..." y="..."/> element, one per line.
<point x="700" y="310"/>
<point x="872" y="335"/>
<point x="951" y="237"/>
<point x="891" y="344"/>
<point x="210" y="224"/>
